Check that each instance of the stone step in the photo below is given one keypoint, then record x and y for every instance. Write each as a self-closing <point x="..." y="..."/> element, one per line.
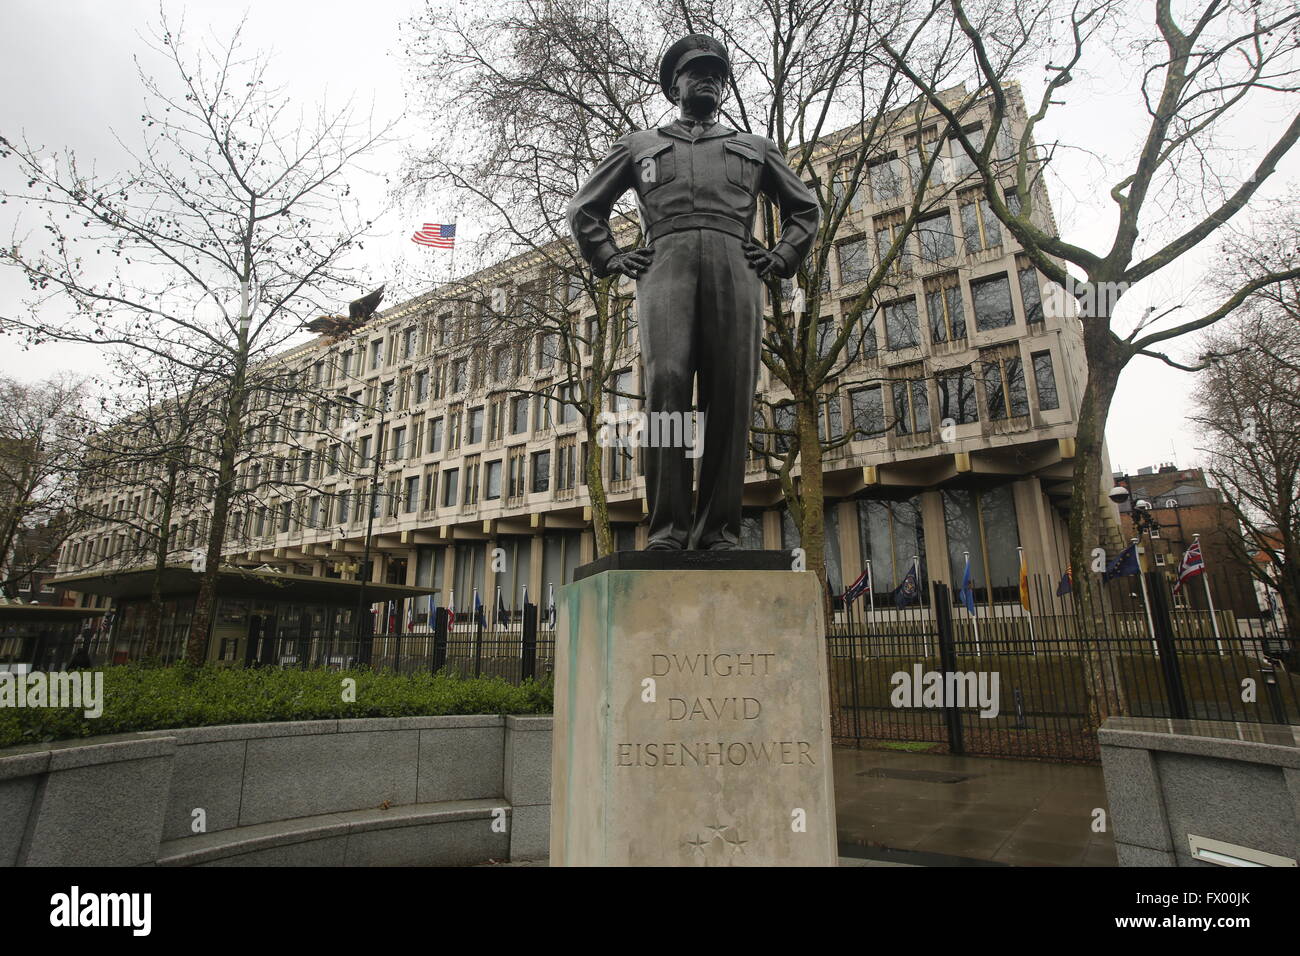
<point x="449" y="833"/>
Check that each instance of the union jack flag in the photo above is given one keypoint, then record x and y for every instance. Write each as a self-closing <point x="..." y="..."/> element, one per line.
<point x="1193" y="564"/>
<point x="437" y="235"/>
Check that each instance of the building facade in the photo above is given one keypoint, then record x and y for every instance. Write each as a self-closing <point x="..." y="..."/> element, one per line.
<point x="965" y="383"/>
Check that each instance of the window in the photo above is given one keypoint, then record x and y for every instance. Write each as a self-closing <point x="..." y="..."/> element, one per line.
<point x="944" y="309"/>
<point x="867" y="410"/>
<point x="518" y="414"/>
<point x="891" y="536"/>
<point x="459" y="375"/>
<point x="541" y="471"/>
<point x="515" y="475"/>
<point x="887" y="230"/>
<point x="936" y="237"/>
<point x="1004" y="387"/>
<point x="620" y="388"/>
<point x="421" y="385"/>
<point x="399" y="444"/>
<point x="917" y="156"/>
<point x="783" y="423"/>
<point x="901" y="328"/>
<point x="345" y="362"/>
<point x="449" y="489"/>
<point x="1030" y="291"/>
<point x="983" y="525"/>
<point x="911" y="405"/>
<point x="411" y="497"/>
<point x="886" y="178"/>
<point x="496" y="419"/>
<point x="548" y="350"/>
<point x="825" y="337"/>
<point x="345" y="504"/>
<point x="366" y="445"/>
<point x="430" y="501"/>
<point x="830" y="418"/>
<point x="453" y="428"/>
<point x="569" y="396"/>
<point x="502" y="364"/>
<point x="492" y="481"/>
<point x="863" y="343"/>
<point x="376" y="354"/>
<point x="475" y="426"/>
<point x="992" y="301"/>
<point x="435" y="434"/>
<point x="621" y="460"/>
<point x="855" y="261"/>
<point x="957" y="396"/>
<point x="408" y="343"/>
<point x="1045" y="381"/>
<point x="566" y="470"/>
<point x="978" y="224"/>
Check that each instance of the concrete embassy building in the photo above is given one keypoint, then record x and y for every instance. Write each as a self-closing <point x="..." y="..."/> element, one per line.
<point x="965" y="382"/>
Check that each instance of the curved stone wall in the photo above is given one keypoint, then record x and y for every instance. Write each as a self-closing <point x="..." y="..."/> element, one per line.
<point x="378" y="791"/>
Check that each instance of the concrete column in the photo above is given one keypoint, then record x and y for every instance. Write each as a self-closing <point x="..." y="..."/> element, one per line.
<point x="936" y="537"/>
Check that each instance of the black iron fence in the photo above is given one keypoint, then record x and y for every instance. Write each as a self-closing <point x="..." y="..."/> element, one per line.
<point x="513" y="646"/>
<point x="1004" y="680"/>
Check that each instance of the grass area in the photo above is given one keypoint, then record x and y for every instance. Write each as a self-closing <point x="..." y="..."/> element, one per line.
<point x="909" y="746"/>
<point x="138" y="697"/>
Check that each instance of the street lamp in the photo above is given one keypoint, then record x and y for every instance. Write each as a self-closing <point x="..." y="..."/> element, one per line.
<point x="370" y="519"/>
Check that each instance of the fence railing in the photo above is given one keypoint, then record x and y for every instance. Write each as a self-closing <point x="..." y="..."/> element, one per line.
<point x="1007" y="681"/>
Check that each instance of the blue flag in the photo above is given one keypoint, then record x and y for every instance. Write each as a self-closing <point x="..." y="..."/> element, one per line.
<point x="908" y="592"/>
<point x="967" y="591"/>
<point x="1125" y="564"/>
<point x="1067" y="583"/>
<point x="479" y="616"/>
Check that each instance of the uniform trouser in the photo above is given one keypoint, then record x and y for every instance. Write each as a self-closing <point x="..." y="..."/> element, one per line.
<point x="700" y="313"/>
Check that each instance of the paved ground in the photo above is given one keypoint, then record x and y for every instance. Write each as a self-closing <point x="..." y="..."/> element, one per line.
<point x="932" y="809"/>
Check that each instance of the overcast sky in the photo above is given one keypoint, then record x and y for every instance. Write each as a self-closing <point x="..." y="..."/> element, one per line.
<point x="69" y="79"/>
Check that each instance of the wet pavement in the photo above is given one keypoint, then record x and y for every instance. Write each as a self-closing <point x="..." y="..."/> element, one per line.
<point x="936" y="810"/>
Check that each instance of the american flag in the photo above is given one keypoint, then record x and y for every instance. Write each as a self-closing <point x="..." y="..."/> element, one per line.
<point x="438" y="235"/>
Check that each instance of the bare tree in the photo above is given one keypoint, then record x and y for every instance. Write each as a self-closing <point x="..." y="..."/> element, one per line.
<point x="231" y="229"/>
<point x="1247" y="404"/>
<point x="1202" y="65"/>
<point x="525" y="99"/>
<point x="41" y="430"/>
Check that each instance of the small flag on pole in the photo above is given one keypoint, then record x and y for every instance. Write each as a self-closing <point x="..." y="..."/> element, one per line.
<point x="550" y="605"/>
<point x="1067" y="583"/>
<point x="437" y="235"/>
<point x="1125" y="564"/>
<point x="1192" y="565"/>
<point x="1024" y="581"/>
<point x="967" y="591"/>
<point x="859" y="587"/>
<point x="908" y="592"/>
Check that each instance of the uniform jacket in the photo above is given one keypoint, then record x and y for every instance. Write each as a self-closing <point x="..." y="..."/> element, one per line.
<point x="712" y="181"/>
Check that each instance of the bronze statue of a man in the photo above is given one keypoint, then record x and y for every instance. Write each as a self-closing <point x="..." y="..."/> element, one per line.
<point x="699" y="294"/>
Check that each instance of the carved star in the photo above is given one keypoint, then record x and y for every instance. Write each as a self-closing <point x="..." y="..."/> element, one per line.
<point x="719" y="831"/>
<point x="734" y="841"/>
<point x="698" y="845"/>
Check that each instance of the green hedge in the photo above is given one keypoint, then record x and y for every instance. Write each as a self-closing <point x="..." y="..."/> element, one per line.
<point x="158" y="698"/>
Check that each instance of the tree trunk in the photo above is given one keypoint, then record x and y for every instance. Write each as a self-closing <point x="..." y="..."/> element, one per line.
<point x="153" y="614"/>
<point x="1101" y="671"/>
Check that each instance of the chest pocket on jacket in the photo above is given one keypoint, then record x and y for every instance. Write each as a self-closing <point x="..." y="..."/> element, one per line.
<point x="654" y="167"/>
<point x="743" y="163"/>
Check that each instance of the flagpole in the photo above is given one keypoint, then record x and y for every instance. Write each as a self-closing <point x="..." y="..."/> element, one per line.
<point x="1205" y="579"/>
<point x="496" y="611"/>
<point x="974" y="618"/>
<point x="1146" y="602"/>
<point x="451" y="606"/>
<point x="871" y="588"/>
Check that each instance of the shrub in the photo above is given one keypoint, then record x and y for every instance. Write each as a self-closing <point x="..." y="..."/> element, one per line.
<point x="138" y="697"/>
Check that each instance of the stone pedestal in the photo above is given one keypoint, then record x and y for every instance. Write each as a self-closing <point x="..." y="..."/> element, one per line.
<point x="691" y="721"/>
